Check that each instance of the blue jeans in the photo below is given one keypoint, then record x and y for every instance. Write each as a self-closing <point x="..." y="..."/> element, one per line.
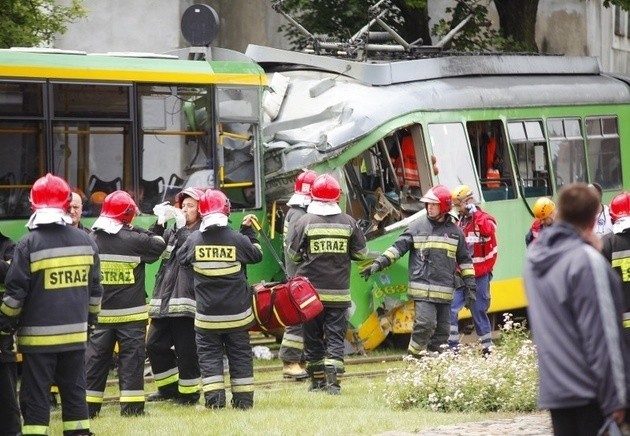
<point x="479" y="312"/>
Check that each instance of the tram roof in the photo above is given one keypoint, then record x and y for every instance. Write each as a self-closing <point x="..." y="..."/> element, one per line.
<point x="323" y="112"/>
<point x="393" y="72"/>
<point x="112" y="67"/>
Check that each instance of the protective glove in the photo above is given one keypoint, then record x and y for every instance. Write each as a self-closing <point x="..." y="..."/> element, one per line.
<point x="164" y="212"/>
<point x="180" y="218"/>
<point x="249" y="221"/>
<point x="92" y="321"/>
<point x="471" y="208"/>
<point x="470" y="296"/>
<point x="368" y="271"/>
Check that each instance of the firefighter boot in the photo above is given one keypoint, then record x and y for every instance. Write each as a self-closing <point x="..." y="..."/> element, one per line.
<point x="316" y="373"/>
<point x="293" y="371"/>
<point x="332" y="384"/>
<point x="215" y="399"/>
<point x="242" y="400"/>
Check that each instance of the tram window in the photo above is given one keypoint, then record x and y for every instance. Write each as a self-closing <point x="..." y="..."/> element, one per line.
<point x="532" y="160"/>
<point x="21" y="99"/>
<point x="489" y="146"/>
<point x="21" y="161"/>
<point x="385" y="183"/>
<point x="237" y="159"/>
<point x="454" y="160"/>
<point x="90" y="101"/>
<point x="567" y="150"/>
<point x="93" y="156"/>
<point x="174" y="140"/>
<point x="604" y="151"/>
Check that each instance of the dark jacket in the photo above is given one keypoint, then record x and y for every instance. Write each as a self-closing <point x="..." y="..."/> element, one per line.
<point x="575" y="309"/>
<point x="218" y="257"/>
<point x="174" y="292"/>
<point x="52" y="285"/>
<point x="123" y="258"/>
<point x="7" y="246"/>
<point x="323" y="247"/>
<point x="616" y="248"/>
<point x="293" y="215"/>
<point x="436" y="251"/>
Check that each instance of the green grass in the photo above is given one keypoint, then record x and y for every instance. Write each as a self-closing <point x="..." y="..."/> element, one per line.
<point x="286" y="408"/>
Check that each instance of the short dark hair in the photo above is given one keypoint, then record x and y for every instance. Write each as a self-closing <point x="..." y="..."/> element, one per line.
<point x="598" y="188"/>
<point x="578" y="204"/>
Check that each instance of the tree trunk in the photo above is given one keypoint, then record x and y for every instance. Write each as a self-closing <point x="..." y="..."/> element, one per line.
<point x="416" y="23"/>
<point x="517" y="19"/>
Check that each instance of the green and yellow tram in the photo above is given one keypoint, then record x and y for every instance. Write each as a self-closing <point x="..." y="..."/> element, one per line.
<point x="512" y="127"/>
<point x="148" y="124"/>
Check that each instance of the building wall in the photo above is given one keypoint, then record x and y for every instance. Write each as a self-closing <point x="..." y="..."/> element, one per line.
<point x="571" y="27"/>
<point x="153" y="26"/>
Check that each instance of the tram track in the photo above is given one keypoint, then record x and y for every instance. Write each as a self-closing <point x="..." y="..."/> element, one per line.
<point x="285" y="382"/>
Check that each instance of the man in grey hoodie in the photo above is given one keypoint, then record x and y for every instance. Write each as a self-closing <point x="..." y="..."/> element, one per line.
<point x="575" y="311"/>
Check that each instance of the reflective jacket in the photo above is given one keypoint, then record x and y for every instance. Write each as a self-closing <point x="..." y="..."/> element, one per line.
<point x="436" y="251"/>
<point x="293" y="215"/>
<point x="52" y="285"/>
<point x="323" y="247"/>
<point x="407" y="167"/>
<point x="616" y="248"/>
<point x="480" y="232"/>
<point x="7" y="246"/>
<point x="218" y="257"/>
<point x="174" y="292"/>
<point x="123" y="258"/>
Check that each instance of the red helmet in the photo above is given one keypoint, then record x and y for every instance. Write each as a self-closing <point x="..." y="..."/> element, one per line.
<point x="304" y="182"/>
<point x="326" y="188"/>
<point x="214" y="201"/>
<point x="620" y="206"/>
<point x="194" y="193"/>
<point x="50" y="191"/>
<point x="439" y="194"/>
<point x="119" y="206"/>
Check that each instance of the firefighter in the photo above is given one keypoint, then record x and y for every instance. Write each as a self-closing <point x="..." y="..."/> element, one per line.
<point x="9" y="411"/>
<point x="292" y="348"/>
<point x="124" y="250"/>
<point x="616" y="248"/>
<point x="479" y="228"/>
<point x="545" y="215"/>
<point x="323" y="242"/>
<point x="437" y="249"/>
<point x="171" y="340"/>
<point x="53" y="288"/>
<point x="218" y="256"/>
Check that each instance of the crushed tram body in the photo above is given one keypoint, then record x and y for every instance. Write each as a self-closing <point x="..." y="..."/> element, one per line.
<point x="512" y="127"/>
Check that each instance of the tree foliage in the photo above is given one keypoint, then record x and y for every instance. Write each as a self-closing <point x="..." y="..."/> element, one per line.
<point x="341" y="19"/>
<point x="29" y="23"/>
<point x="514" y="32"/>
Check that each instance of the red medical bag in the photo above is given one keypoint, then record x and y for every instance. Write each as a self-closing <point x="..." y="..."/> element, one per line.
<point x="277" y="305"/>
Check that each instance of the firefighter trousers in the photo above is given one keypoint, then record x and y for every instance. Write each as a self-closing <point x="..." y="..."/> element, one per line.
<point x="131" y="355"/>
<point x="38" y="372"/>
<point x="324" y="338"/>
<point x="431" y="325"/>
<point x="176" y="372"/>
<point x="292" y="347"/>
<point x="236" y="346"/>
<point x="9" y="410"/>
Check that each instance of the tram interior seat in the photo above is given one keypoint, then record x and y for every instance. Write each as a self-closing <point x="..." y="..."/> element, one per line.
<point x="152" y="193"/>
<point x="96" y="184"/>
<point x="496" y="190"/>
<point x="535" y="191"/>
